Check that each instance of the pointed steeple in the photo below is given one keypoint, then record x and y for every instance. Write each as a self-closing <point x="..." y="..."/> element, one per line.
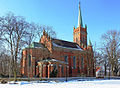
<point x="89" y="43"/>
<point x="80" y="23"/>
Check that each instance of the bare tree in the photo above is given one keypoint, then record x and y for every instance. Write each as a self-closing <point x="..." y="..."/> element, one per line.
<point x="4" y="64"/>
<point x="48" y="29"/>
<point x="111" y="50"/>
<point x="14" y="31"/>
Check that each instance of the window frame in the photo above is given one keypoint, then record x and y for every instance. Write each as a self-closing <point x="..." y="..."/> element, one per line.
<point x="82" y="63"/>
<point x="66" y="58"/>
<point x="74" y="62"/>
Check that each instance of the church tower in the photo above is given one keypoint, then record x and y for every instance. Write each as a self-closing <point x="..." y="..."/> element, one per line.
<point x="80" y="33"/>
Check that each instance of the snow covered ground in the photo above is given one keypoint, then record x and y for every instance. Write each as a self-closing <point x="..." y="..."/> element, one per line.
<point x="69" y="84"/>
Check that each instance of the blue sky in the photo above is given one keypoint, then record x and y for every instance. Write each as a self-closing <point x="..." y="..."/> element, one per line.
<point x="99" y="15"/>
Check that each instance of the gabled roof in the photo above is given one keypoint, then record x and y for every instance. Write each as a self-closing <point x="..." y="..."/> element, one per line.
<point x="65" y="44"/>
<point x="57" y="43"/>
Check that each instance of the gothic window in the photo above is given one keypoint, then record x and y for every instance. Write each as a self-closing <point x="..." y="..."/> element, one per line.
<point x="74" y="62"/>
<point x="66" y="58"/>
<point x="78" y="66"/>
<point x="82" y="63"/>
<point x="62" y="69"/>
<point x="29" y="60"/>
<point x="91" y="61"/>
<point x="83" y="39"/>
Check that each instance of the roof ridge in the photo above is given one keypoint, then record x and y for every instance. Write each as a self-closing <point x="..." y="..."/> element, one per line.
<point x="66" y="41"/>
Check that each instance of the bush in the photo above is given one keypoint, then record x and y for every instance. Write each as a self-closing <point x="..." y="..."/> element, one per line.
<point x="4" y="76"/>
<point x="1" y="75"/>
<point x="3" y="81"/>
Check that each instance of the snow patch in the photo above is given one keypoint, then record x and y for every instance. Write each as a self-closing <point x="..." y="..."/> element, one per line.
<point x="69" y="84"/>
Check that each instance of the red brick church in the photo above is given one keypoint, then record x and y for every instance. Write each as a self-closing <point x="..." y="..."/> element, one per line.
<point x="59" y="58"/>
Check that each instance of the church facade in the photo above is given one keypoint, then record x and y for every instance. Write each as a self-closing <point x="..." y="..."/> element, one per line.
<point x="52" y="57"/>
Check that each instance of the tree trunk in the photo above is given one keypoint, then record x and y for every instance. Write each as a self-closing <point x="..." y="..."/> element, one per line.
<point x="105" y="70"/>
<point x="112" y="70"/>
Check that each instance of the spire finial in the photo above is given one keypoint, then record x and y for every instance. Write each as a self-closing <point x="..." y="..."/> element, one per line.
<point x="80" y="18"/>
<point x="79" y="4"/>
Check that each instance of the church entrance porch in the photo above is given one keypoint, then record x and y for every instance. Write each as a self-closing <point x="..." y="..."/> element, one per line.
<point x="52" y="68"/>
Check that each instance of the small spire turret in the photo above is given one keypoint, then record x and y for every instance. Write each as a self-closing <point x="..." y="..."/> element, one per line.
<point x="89" y="43"/>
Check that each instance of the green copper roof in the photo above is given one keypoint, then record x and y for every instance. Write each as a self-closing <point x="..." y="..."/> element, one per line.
<point x="89" y="43"/>
<point x="80" y="18"/>
<point x="35" y="45"/>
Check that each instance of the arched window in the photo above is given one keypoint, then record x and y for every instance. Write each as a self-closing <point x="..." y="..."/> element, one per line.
<point x="29" y="60"/>
<point x="62" y="70"/>
<point x="82" y="63"/>
<point x="84" y="40"/>
<point x="66" y="58"/>
<point x="74" y="62"/>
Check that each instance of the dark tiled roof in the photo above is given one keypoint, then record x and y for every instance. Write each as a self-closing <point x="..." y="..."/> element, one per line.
<point x="66" y="44"/>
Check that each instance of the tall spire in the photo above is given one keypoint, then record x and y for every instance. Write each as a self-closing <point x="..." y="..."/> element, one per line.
<point x="80" y="23"/>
